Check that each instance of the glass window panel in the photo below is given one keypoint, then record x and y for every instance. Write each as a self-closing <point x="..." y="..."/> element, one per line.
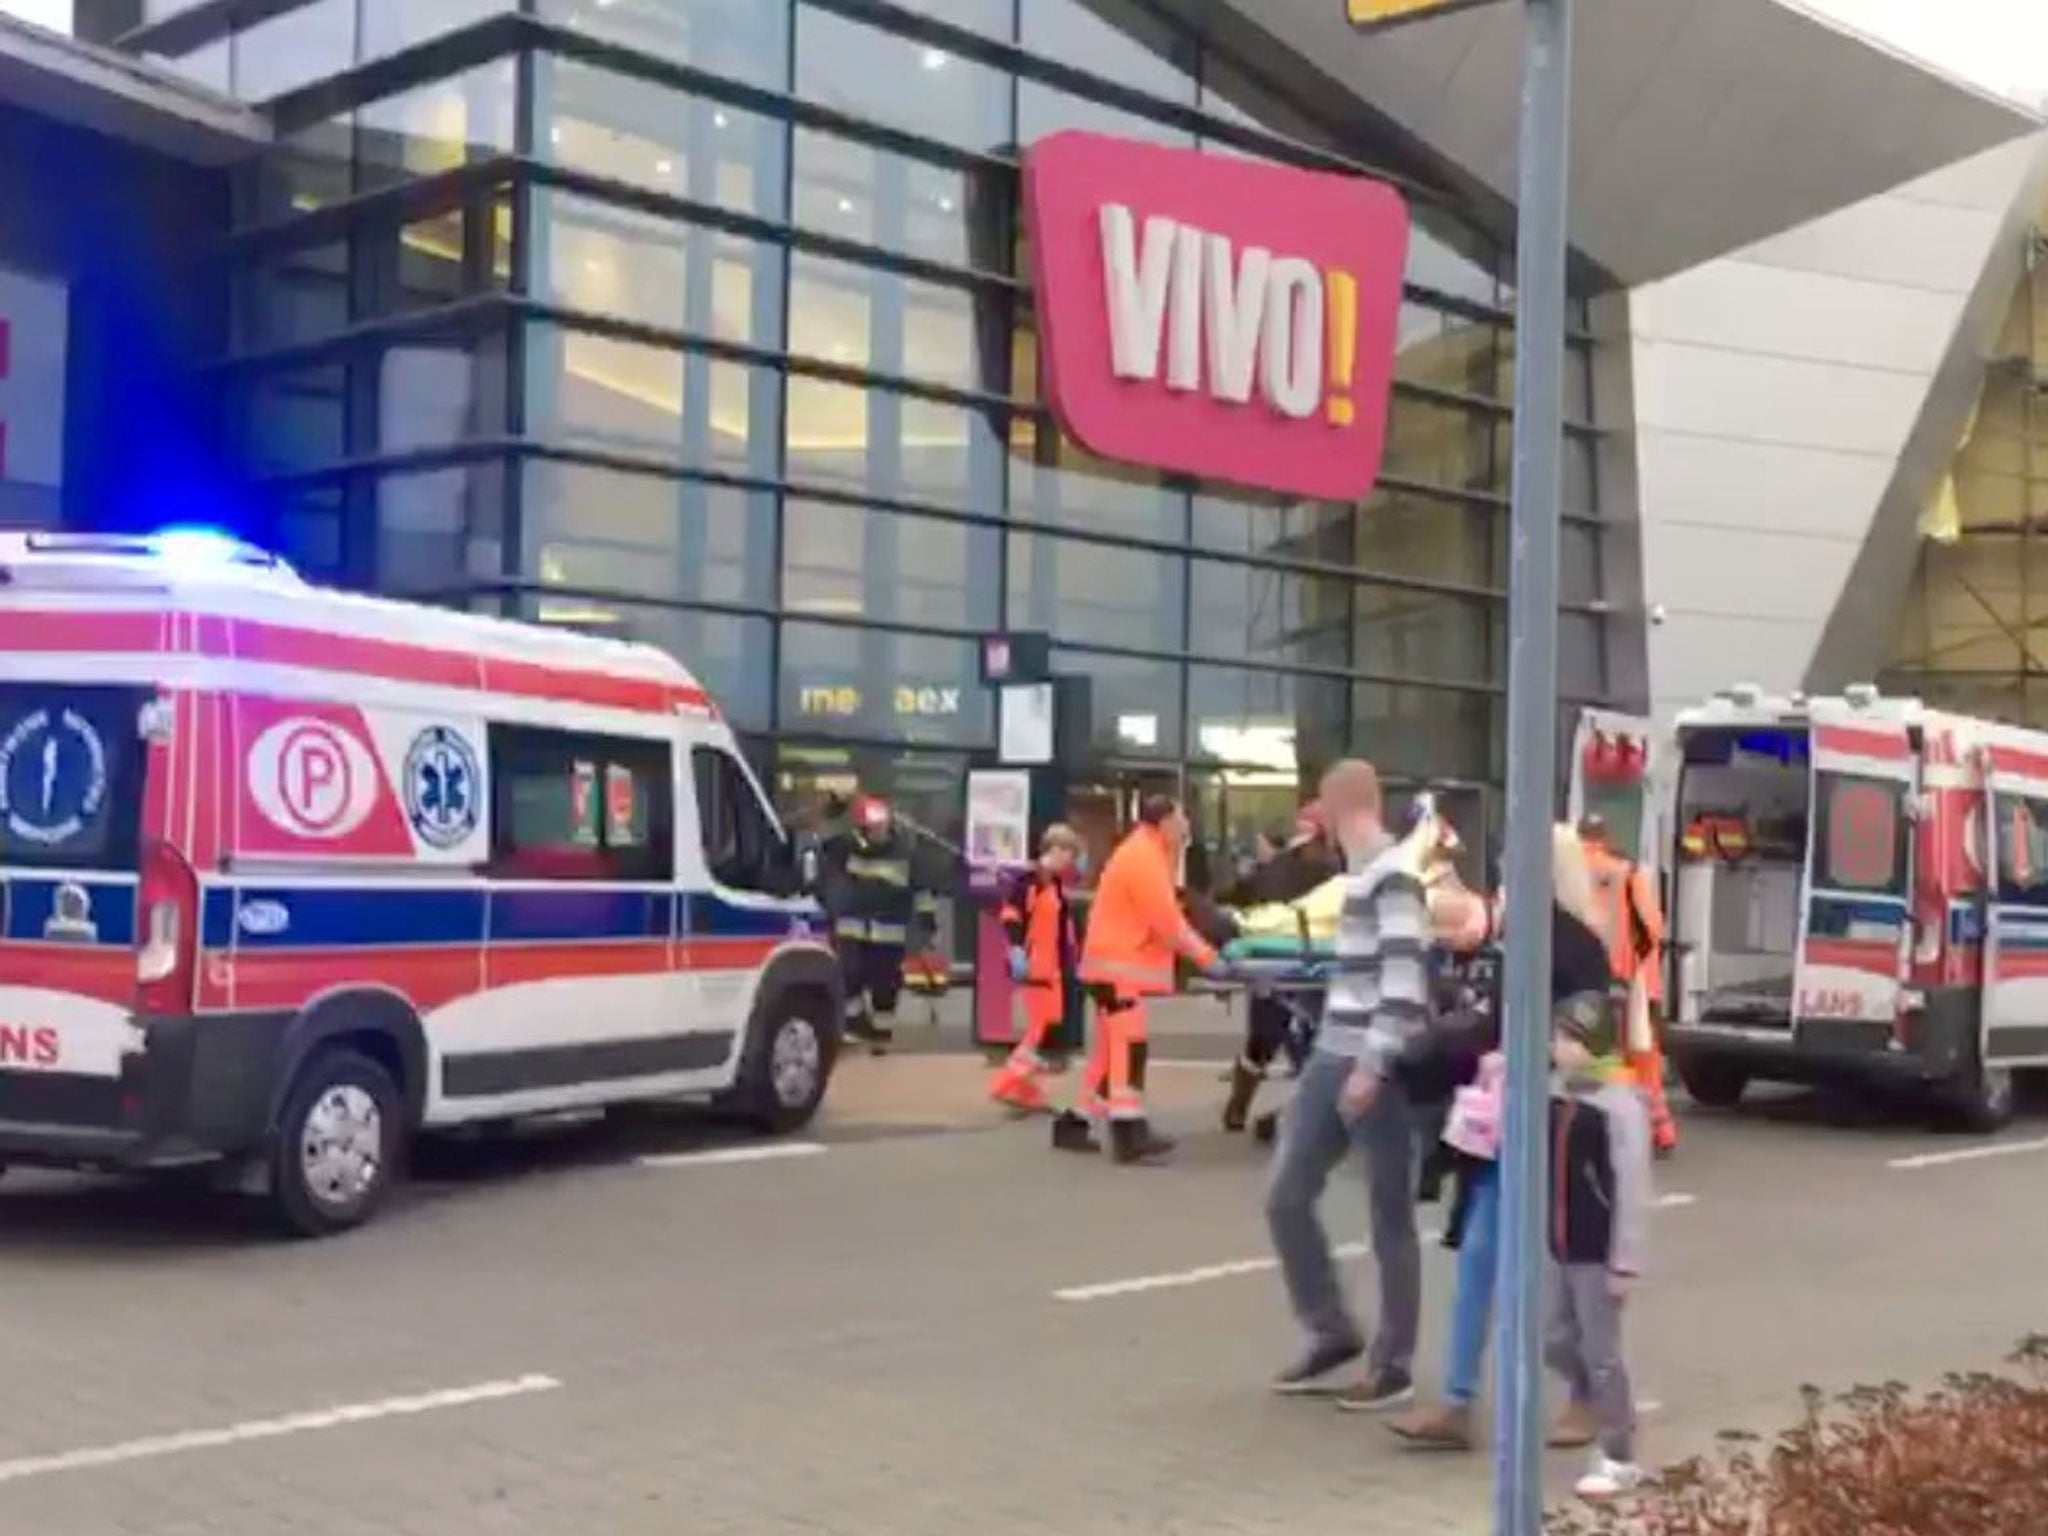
<point x="646" y="135"/>
<point x="432" y="393"/>
<point x="606" y="260"/>
<point x="1245" y="523"/>
<point x="1578" y="565"/>
<point x="439" y="529"/>
<point x="864" y="317"/>
<point x="1053" y="479"/>
<point x="440" y="257"/>
<point x="1581" y="656"/>
<point x="994" y="17"/>
<point x="1400" y="632"/>
<point x="741" y="39"/>
<point x="306" y="170"/>
<point x="307" y="532"/>
<point x="701" y="411"/>
<point x="1463" y="447"/>
<point x="846" y="680"/>
<point x="389" y="25"/>
<point x="890" y="566"/>
<point x="1116" y="39"/>
<point x="1580" y="490"/>
<point x="1447" y="350"/>
<point x="296" y="421"/>
<point x="1134" y="704"/>
<point x="1423" y="733"/>
<point x="892" y="446"/>
<point x="1239" y="98"/>
<point x="294" y="48"/>
<point x="874" y="74"/>
<point x="1044" y="109"/>
<point x="1279" y="728"/>
<point x="727" y="653"/>
<point x="942" y="213"/>
<point x="592" y="530"/>
<point x="462" y="120"/>
<point x="1261" y="614"/>
<point x="302" y="298"/>
<point x="1446" y="255"/>
<point x="1085" y="593"/>
<point x="1577" y="379"/>
<point x="210" y="65"/>
<point x="1430" y="538"/>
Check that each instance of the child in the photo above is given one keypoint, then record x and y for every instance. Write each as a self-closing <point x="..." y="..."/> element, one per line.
<point x="1600" y="1204"/>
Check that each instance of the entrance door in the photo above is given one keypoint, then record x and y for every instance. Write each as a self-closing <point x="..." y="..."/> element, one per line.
<point x="1103" y="805"/>
<point x="2014" y="818"/>
<point x="1855" y="926"/>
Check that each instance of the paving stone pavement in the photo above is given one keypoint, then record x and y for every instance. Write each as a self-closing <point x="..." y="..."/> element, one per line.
<point x="870" y="1338"/>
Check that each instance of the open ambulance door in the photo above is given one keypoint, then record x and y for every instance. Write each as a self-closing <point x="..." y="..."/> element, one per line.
<point x="1613" y="774"/>
<point x="1855" y="919"/>
<point x="2014" y="816"/>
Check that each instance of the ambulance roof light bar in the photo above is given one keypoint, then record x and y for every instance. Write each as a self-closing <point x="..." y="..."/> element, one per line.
<point x="90" y="559"/>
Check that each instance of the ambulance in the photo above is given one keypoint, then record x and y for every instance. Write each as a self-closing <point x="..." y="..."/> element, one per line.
<point x="1861" y="895"/>
<point x="290" y="876"/>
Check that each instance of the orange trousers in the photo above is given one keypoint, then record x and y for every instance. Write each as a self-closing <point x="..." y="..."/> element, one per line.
<point x="1114" y="1082"/>
<point x="1649" y="1070"/>
<point x="1017" y="1082"/>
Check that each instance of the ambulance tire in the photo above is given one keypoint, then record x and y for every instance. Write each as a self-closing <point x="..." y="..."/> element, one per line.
<point x="331" y="1081"/>
<point x="791" y="1046"/>
<point x="1712" y="1083"/>
<point x="1979" y="1100"/>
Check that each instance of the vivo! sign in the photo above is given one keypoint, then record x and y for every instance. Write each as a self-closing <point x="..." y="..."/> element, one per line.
<point x="1214" y="316"/>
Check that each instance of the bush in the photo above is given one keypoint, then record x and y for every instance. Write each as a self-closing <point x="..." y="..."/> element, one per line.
<point x="1968" y="1459"/>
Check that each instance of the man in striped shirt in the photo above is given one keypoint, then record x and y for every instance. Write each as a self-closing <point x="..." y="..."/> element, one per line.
<point x="1350" y="1099"/>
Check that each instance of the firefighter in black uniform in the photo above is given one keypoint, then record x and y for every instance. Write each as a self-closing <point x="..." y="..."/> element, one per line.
<point x="879" y="909"/>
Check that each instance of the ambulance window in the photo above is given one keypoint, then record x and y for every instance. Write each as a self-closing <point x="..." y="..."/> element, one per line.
<point x="1861" y="847"/>
<point x="569" y="806"/>
<point x="742" y="847"/>
<point x="71" y="769"/>
<point x="2022" y="849"/>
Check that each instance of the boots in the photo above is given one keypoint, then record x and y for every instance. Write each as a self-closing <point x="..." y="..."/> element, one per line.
<point x="1073" y="1133"/>
<point x="1134" y="1141"/>
<point x="1237" y="1107"/>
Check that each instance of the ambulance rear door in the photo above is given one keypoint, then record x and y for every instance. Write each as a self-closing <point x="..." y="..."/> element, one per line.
<point x="2014" y="850"/>
<point x="1855" y="937"/>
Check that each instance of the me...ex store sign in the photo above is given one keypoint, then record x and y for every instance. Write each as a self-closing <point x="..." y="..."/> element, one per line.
<point x="1217" y="317"/>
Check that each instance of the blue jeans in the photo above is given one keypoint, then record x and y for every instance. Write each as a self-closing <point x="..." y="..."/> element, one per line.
<point x="1472" y="1304"/>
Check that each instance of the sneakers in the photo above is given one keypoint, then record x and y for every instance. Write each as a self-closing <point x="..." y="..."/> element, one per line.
<point x="1387" y="1387"/>
<point x="1073" y="1133"/>
<point x="1607" y="1479"/>
<point x="1575" y="1428"/>
<point x="1312" y="1372"/>
<point x="1019" y="1095"/>
<point x="1444" y="1428"/>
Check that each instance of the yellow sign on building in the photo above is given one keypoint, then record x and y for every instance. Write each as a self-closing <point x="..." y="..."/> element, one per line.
<point x="1386" y="13"/>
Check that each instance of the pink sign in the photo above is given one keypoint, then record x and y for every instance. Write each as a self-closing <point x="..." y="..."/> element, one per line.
<point x="1214" y="316"/>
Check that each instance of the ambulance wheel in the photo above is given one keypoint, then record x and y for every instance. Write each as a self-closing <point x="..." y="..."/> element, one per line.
<point x="1713" y="1084"/>
<point x="790" y="1050"/>
<point x="1979" y="1100"/>
<point x="337" y="1145"/>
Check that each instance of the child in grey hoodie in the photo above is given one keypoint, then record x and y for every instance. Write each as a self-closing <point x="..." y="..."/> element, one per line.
<point x="1599" y="1217"/>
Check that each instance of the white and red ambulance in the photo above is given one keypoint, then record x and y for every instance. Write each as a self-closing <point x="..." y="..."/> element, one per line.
<point x="1861" y="893"/>
<point x="289" y="875"/>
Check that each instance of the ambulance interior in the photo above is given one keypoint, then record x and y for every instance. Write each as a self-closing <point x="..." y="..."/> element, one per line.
<point x="1742" y="828"/>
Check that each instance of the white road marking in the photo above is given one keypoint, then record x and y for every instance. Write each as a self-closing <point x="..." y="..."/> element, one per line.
<point x="1203" y="1274"/>
<point x="272" y="1429"/>
<point x="768" y="1152"/>
<point x="1969" y="1154"/>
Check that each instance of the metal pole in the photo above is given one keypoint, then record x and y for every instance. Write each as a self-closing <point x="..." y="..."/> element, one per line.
<point x="1531" y="757"/>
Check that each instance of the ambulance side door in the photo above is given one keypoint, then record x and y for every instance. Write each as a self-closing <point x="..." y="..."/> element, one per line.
<point x="737" y="907"/>
<point x="2015" y="857"/>
<point x="1855" y="938"/>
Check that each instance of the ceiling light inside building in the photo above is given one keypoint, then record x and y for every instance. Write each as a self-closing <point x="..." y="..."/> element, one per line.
<point x="719" y="119"/>
<point x="846" y="205"/>
<point x="933" y="58"/>
<point x="945" y="205"/>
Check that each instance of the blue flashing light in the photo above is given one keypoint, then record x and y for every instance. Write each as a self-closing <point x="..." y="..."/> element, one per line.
<point x="195" y="549"/>
<point x="1787" y="747"/>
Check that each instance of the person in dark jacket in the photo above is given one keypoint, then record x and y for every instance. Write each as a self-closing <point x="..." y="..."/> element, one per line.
<point x="880" y="907"/>
<point x="1309" y="859"/>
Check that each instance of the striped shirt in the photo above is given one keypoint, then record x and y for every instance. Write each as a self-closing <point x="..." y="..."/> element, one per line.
<point x="1378" y="999"/>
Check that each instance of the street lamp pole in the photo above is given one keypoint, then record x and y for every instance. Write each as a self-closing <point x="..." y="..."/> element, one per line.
<point x="1540" y="314"/>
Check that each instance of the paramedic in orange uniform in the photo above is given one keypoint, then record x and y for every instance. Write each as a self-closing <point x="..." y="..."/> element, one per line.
<point x="1634" y="929"/>
<point x="1038" y="920"/>
<point x="1136" y="931"/>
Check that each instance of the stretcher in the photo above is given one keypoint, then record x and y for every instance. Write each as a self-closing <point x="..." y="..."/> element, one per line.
<point x="1294" y="974"/>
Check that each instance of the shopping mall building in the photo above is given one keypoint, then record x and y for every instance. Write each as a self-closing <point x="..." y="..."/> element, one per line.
<point x="712" y="322"/>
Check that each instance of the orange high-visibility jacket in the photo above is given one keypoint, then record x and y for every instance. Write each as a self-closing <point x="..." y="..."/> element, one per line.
<point x="1038" y="919"/>
<point x="1135" y="924"/>
<point x="1634" y="923"/>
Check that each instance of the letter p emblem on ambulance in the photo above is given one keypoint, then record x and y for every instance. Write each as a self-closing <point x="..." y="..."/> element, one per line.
<point x="1218" y="317"/>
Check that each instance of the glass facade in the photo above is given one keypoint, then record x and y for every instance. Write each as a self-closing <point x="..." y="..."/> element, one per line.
<point x="1972" y="635"/>
<point x="708" y="322"/>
